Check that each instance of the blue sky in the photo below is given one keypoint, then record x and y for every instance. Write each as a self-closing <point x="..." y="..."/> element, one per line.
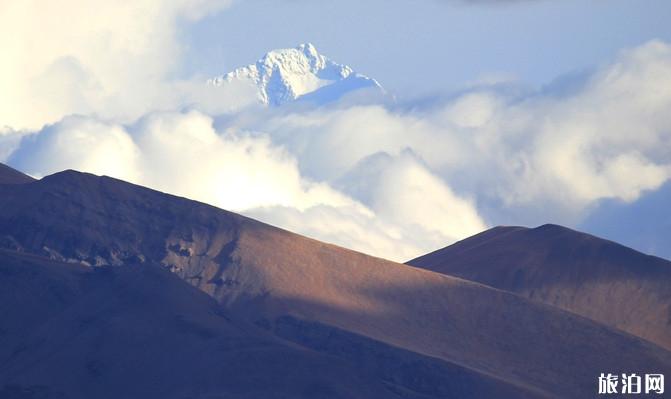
<point x="423" y="46"/>
<point x="507" y="112"/>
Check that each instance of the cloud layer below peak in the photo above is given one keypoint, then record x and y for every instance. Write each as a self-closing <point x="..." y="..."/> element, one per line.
<point x="394" y="180"/>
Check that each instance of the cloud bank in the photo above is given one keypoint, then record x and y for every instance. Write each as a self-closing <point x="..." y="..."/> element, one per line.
<point x="394" y="180"/>
<point x="110" y="58"/>
<point x="544" y="154"/>
<point x="182" y="153"/>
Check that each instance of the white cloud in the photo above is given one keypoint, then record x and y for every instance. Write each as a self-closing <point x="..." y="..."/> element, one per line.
<point x="182" y="153"/>
<point x="473" y="110"/>
<point x="113" y="58"/>
<point x="179" y="153"/>
<point x="407" y="194"/>
<point x="79" y="143"/>
<point x="391" y="181"/>
<point x="348" y="227"/>
<point x="543" y="155"/>
<point x="329" y="142"/>
<point x="9" y="142"/>
<point x="612" y="139"/>
<point x="409" y="211"/>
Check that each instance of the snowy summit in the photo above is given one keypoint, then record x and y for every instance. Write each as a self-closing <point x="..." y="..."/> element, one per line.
<point x="287" y="75"/>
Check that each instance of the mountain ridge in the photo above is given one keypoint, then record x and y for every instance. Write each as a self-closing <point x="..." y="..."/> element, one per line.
<point x="300" y="73"/>
<point x="584" y="274"/>
<point x="9" y="175"/>
<point x="265" y="275"/>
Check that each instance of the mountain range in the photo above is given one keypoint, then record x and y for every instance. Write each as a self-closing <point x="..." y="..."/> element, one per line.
<point x="109" y="289"/>
<point x="302" y="73"/>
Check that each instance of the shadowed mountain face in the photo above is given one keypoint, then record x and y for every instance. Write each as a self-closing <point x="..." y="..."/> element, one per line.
<point x="589" y="276"/>
<point x="420" y="332"/>
<point x="13" y="176"/>
<point x="70" y="331"/>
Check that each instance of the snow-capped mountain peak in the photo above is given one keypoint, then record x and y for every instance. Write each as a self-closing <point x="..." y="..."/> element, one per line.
<point x="286" y="75"/>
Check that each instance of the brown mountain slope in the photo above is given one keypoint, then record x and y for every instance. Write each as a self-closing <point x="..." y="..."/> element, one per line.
<point x="592" y="277"/>
<point x="318" y="295"/>
<point x="13" y="176"/>
<point x="70" y="331"/>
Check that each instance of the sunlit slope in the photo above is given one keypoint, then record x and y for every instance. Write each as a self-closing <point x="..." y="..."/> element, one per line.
<point x="274" y="279"/>
<point x="584" y="274"/>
